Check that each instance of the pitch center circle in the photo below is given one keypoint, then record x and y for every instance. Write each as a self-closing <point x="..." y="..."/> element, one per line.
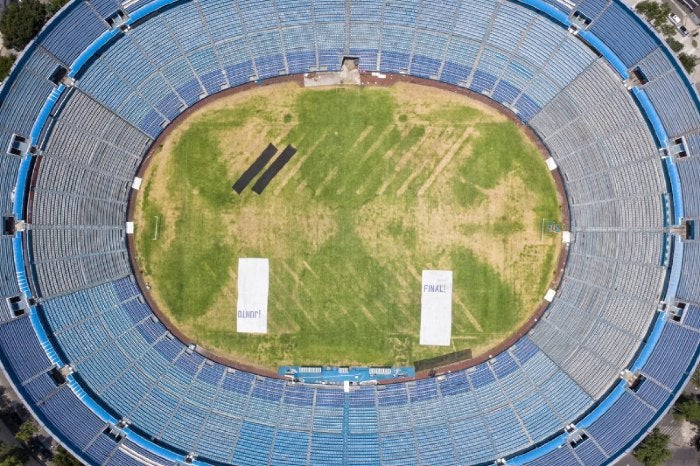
<point x="377" y="185"/>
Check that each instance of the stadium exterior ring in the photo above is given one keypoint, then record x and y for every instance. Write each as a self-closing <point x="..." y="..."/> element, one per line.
<point x="606" y="361"/>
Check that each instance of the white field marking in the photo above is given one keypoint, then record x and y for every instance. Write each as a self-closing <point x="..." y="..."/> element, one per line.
<point x="445" y="161"/>
<point x="542" y="232"/>
<point x="301" y="186"/>
<point x="155" y="234"/>
<point x="470" y="317"/>
<point x="412" y="151"/>
<point x="414" y="320"/>
<point x="313" y="323"/>
<point x="404" y="187"/>
<point x="384" y="185"/>
<point x="414" y="271"/>
<point x="308" y="267"/>
<point x="291" y="272"/>
<point x="387" y="155"/>
<point x="404" y="134"/>
<point x="402" y="281"/>
<point x="279" y="280"/>
<point x="397" y="168"/>
<point x="290" y="173"/>
<point x="326" y="180"/>
<point x="367" y="313"/>
<point x="405" y="310"/>
<point x="405" y="287"/>
<point x="361" y="138"/>
<point x="288" y="326"/>
<point x="363" y="135"/>
<point x="377" y="142"/>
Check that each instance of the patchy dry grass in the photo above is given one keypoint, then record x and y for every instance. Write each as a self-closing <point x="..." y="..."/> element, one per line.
<point x="387" y="182"/>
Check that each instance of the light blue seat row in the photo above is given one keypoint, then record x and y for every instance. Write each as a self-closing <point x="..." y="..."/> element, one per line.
<point x="79" y="27"/>
<point x="21" y="346"/>
<point x="623" y="33"/>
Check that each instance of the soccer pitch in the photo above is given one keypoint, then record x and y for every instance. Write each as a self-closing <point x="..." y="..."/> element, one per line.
<point x="386" y="182"/>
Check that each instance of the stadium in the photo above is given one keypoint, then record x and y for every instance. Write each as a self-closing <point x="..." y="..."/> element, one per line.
<point x="617" y="337"/>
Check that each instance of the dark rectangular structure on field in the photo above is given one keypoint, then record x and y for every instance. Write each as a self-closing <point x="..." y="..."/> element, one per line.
<point x="274" y="168"/>
<point x="438" y="361"/>
<point x="254" y="169"/>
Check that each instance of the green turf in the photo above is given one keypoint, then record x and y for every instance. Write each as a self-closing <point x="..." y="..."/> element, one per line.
<point x="341" y="289"/>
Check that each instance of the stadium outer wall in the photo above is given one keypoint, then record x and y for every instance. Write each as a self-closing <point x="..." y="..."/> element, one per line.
<point x="367" y="80"/>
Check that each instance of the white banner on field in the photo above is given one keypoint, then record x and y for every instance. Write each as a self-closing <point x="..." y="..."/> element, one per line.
<point x="253" y="287"/>
<point x="436" y="308"/>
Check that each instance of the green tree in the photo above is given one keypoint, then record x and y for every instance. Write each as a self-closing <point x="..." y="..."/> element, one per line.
<point x="656" y="13"/>
<point x="653" y="451"/>
<point x="688" y="61"/>
<point x="26" y="431"/>
<point x="696" y="377"/>
<point x="53" y="6"/>
<point x="667" y="29"/>
<point x="6" y="65"/>
<point x="647" y="8"/>
<point x="21" y="21"/>
<point x="62" y="458"/>
<point x="15" y="456"/>
<point x="688" y="408"/>
<point x="674" y="44"/>
<point x="11" y="460"/>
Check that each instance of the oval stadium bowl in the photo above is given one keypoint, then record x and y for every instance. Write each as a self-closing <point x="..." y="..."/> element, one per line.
<point x="620" y="338"/>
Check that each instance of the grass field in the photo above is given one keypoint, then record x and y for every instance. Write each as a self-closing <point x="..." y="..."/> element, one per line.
<point x="387" y="182"/>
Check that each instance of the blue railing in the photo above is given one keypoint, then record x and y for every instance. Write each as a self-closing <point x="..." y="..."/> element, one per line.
<point x="89" y="52"/>
<point x="675" y="273"/>
<point x="643" y="356"/>
<point x="549" y="10"/>
<point x="651" y="115"/>
<point x="606" y="52"/>
<point x="43" y="337"/>
<point x="539" y="451"/>
<point x="676" y="192"/>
